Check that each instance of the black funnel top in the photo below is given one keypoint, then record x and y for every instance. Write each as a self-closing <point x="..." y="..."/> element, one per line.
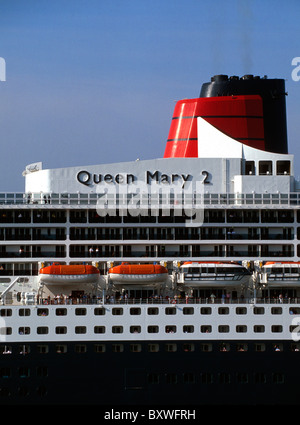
<point x="272" y="92"/>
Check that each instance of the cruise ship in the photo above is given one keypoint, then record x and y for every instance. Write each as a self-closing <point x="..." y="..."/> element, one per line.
<point x="171" y="281"/>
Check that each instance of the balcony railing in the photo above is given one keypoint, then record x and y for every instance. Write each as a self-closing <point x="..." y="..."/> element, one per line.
<point x="155" y="201"/>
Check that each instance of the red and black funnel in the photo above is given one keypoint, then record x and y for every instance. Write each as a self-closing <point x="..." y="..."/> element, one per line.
<point x="250" y="109"/>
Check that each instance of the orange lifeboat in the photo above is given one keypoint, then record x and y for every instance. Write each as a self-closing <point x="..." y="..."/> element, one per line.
<point x="138" y="273"/>
<point x="69" y="274"/>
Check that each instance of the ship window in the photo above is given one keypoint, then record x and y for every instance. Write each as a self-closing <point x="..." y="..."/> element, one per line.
<point x="41" y="312"/>
<point x="135" y="348"/>
<point x="206" y="347"/>
<point x="259" y="310"/>
<point x="242" y="347"/>
<point x="99" y="329"/>
<point x="117" y="329"/>
<point x="5" y="312"/>
<point x="152" y="329"/>
<point x="80" y="348"/>
<point x="223" y="310"/>
<point x="153" y="348"/>
<point x="294" y="310"/>
<point x="259" y="329"/>
<point x="188" y="347"/>
<point x="117" y="311"/>
<point x="188" y="329"/>
<point x="24" y="312"/>
<point x="171" y="329"/>
<point x="135" y="311"/>
<point x="223" y="328"/>
<point x="170" y="310"/>
<point x="259" y="347"/>
<point x="241" y="328"/>
<point x="295" y="347"/>
<point x="135" y="329"/>
<point x="153" y="310"/>
<point x="117" y="348"/>
<point x="80" y="329"/>
<point x="5" y="349"/>
<point x="99" y="348"/>
<point x="276" y="328"/>
<point x="171" y="348"/>
<point x="283" y="168"/>
<point x="205" y="328"/>
<point x="276" y="310"/>
<point x="60" y="349"/>
<point x="80" y="311"/>
<point x="277" y="347"/>
<point x="265" y="167"/>
<point x="24" y="349"/>
<point x="5" y="331"/>
<point x="42" y="330"/>
<point x="43" y="349"/>
<point x="61" y="329"/>
<point x="61" y="312"/>
<point x="99" y="311"/>
<point x="188" y="310"/>
<point x="224" y="346"/>
<point x="250" y="167"/>
<point x="205" y="310"/>
<point x="241" y="310"/>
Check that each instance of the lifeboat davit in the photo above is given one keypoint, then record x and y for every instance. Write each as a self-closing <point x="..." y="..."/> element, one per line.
<point x="68" y="274"/>
<point x="138" y="274"/>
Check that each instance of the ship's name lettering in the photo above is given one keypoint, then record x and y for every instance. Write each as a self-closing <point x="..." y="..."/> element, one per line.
<point x="87" y="178"/>
<point x="166" y="178"/>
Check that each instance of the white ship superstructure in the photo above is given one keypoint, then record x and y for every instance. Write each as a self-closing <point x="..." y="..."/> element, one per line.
<point x="183" y="258"/>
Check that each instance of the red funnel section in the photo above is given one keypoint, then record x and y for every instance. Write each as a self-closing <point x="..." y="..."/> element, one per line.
<point x="240" y="117"/>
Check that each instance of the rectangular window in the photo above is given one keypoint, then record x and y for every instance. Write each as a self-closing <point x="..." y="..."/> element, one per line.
<point x="61" y="330"/>
<point x="188" y="310"/>
<point x="152" y="310"/>
<point x="42" y="330"/>
<point x="152" y="329"/>
<point x="42" y="311"/>
<point x="117" y="311"/>
<point x="80" y="311"/>
<point x="80" y="329"/>
<point x="135" y="311"/>
<point x="135" y="329"/>
<point x="117" y="348"/>
<point x="99" y="311"/>
<point x="99" y="329"/>
<point x="170" y="310"/>
<point x="24" y="312"/>
<point x="188" y="329"/>
<point x="117" y="329"/>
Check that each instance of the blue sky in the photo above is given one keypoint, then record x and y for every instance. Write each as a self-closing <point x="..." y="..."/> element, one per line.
<point x="90" y="82"/>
